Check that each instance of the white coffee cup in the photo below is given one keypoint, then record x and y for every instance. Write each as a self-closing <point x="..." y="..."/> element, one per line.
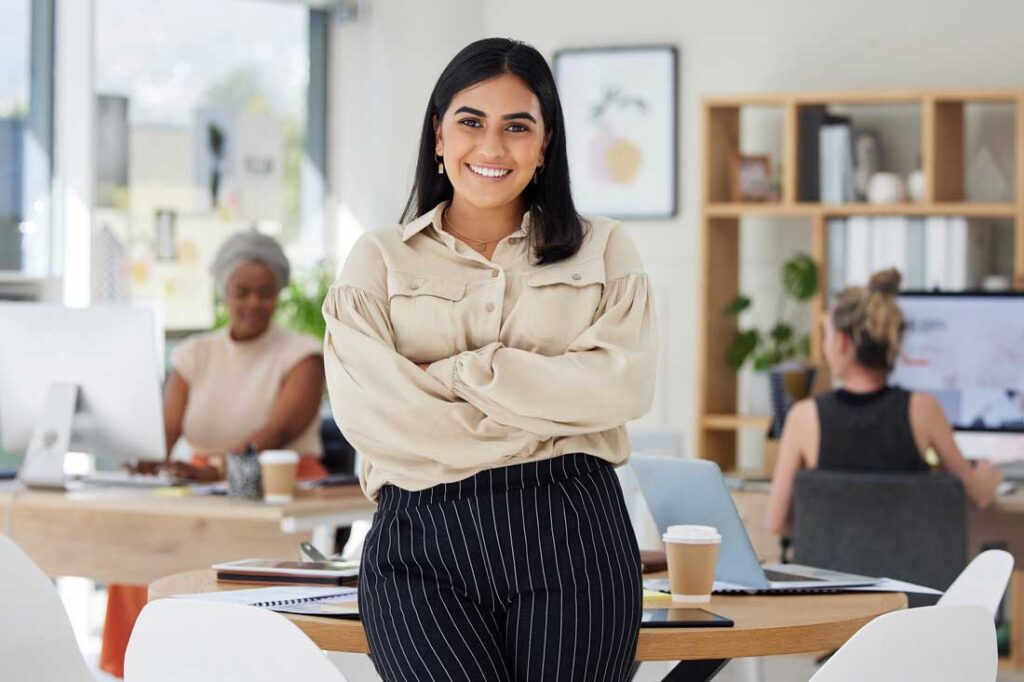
<point x="278" y="468"/>
<point x="692" y="552"/>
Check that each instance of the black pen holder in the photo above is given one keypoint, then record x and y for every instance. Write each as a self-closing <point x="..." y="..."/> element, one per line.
<point x="244" y="479"/>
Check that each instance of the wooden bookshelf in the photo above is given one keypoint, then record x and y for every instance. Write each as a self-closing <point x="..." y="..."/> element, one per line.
<point x="943" y="163"/>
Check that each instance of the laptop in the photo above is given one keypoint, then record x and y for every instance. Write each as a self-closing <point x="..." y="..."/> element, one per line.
<point x="692" y="491"/>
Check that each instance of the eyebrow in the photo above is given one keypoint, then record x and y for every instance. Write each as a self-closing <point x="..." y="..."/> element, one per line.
<point x="508" y="117"/>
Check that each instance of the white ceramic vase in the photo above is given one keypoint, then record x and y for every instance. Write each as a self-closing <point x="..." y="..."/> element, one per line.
<point x="915" y="185"/>
<point x="886" y="188"/>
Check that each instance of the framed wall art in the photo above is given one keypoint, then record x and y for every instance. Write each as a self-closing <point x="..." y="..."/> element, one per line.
<point x="621" y="117"/>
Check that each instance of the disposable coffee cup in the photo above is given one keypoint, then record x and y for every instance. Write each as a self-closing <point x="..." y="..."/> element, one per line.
<point x="692" y="552"/>
<point x="278" y="468"/>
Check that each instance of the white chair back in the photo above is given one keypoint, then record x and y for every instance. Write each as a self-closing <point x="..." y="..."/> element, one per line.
<point x="934" y="643"/>
<point x="982" y="583"/>
<point x="36" y="639"/>
<point x="200" y="641"/>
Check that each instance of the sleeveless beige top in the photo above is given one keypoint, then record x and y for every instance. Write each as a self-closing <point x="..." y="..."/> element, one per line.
<point x="232" y="386"/>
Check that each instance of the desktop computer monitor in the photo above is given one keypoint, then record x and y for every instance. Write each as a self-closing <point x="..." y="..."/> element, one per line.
<point x="78" y="380"/>
<point x="967" y="349"/>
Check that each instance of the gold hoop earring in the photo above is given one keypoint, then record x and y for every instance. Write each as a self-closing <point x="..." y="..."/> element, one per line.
<point x="440" y="164"/>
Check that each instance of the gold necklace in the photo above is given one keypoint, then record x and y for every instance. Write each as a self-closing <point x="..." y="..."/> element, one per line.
<point x="483" y="243"/>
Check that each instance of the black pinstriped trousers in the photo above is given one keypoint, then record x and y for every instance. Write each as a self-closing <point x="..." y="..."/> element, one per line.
<point x="527" y="572"/>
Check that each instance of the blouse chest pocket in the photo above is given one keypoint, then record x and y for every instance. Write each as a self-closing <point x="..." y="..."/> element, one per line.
<point x="560" y="301"/>
<point x="425" y="316"/>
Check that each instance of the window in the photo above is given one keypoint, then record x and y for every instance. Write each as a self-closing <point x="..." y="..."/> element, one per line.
<point x="25" y="139"/>
<point x="200" y="132"/>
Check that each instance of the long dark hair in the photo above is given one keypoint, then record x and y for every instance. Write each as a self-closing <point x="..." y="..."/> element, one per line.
<point x="556" y="229"/>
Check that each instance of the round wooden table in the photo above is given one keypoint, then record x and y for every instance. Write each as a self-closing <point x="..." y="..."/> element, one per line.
<point x="765" y="625"/>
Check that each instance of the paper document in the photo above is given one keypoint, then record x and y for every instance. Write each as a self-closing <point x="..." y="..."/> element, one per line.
<point x="313" y="601"/>
<point x="882" y="585"/>
<point x="890" y="585"/>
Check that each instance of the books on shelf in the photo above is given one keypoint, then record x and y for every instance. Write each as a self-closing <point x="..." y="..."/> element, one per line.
<point x="936" y="252"/>
<point x="811" y="119"/>
<point x="835" y="161"/>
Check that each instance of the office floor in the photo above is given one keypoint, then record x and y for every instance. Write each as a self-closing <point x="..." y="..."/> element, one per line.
<point x="86" y="604"/>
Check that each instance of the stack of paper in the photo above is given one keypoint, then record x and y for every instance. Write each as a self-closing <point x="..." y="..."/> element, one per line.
<point x="310" y="601"/>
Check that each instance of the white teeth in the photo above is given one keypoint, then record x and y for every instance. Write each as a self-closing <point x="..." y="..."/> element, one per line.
<point x="489" y="172"/>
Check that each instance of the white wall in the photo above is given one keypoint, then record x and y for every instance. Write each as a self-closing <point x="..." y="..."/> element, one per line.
<point x="383" y="67"/>
<point x="727" y="46"/>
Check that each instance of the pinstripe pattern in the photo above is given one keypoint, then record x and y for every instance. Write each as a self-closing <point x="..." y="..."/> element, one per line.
<point x="527" y="572"/>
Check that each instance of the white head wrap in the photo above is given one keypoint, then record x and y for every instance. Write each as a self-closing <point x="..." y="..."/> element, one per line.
<point x="249" y="247"/>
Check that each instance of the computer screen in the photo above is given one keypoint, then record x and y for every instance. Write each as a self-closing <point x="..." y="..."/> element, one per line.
<point x="107" y="352"/>
<point x="968" y="351"/>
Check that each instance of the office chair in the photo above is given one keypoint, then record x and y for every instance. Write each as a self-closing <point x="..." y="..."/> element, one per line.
<point x="904" y="526"/>
<point x="205" y="641"/>
<point x="982" y="583"/>
<point x="36" y="639"/>
<point x="934" y="643"/>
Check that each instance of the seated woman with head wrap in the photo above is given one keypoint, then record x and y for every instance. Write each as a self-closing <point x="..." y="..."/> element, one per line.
<point x="250" y="386"/>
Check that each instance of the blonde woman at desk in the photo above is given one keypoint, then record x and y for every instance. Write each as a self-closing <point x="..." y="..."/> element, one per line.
<point x="484" y="358"/>
<point x="250" y="386"/>
<point x="868" y="425"/>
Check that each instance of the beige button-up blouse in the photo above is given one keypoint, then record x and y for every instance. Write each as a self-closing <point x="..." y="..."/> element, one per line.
<point x="526" y="362"/>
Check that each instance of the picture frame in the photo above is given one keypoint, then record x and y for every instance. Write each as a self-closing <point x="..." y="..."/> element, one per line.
<point x="621" y="109"/>
<point x="751" y="178"/>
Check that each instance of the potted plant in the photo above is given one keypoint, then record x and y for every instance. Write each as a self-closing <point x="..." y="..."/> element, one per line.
<point x="781" y="351"/>
<point x="299" y="307"/>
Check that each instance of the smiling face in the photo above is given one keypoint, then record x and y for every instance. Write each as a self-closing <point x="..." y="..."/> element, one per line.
<point x="251" y="296"/>
<point x="492" y="138"/>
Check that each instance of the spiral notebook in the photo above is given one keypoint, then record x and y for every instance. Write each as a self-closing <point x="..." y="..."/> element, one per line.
<point x="335" y="602"/>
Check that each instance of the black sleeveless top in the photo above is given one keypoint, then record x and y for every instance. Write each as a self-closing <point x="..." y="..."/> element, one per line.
<point x="867" y="431"/>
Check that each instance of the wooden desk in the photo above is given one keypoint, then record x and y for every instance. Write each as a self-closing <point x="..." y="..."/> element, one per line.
<point x="130" y="536"/>
<point x="765" y="626"/>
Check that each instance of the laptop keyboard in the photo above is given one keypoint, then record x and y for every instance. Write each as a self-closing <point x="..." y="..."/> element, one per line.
<point x="780" y="577"/>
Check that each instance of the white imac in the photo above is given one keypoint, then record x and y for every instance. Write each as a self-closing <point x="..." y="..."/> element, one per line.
<point x="78" y="380"/>
<point x="967" y="349"/>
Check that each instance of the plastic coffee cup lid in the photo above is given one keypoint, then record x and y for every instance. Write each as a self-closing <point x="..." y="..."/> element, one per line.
<point x="701" y="535"/>
<point x="279" y="457"/>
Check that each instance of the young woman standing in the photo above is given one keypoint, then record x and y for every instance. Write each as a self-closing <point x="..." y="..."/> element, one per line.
<point x="484" y="358"/>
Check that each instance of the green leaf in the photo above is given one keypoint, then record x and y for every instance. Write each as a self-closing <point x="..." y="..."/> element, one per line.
<point x="800" y="277"/>
<point x="766" y="360"/>
<point x="803" y="346"/>
<point x="736" y="305"/>
<point x="782" y="332"/>
<point x="742" y="346"/>
<point x="299" y="307"/>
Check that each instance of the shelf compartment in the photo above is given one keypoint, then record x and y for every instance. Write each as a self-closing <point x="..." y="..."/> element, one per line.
<point x="735" y="422"/>
<point x="756" y="129"/>
<point x="798" y="210"/>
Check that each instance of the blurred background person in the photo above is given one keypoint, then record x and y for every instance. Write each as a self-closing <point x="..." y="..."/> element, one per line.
<point x="247" y="387"/>
<point x="868" y="424"/>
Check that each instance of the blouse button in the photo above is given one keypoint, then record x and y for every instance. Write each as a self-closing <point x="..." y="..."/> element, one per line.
<point x="576" y="276"/>
<point x="494" y="273"/>
<point x="414" y="286"/>
<point x="490" y="307"/>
